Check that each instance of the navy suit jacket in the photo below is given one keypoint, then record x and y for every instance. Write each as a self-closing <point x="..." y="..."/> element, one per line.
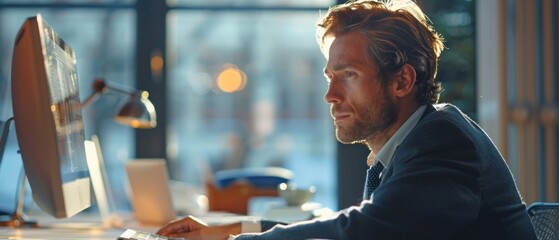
<point x="446" y="180"/>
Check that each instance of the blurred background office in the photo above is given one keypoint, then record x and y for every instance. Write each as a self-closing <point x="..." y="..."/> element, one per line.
<point x="239" y="84"/>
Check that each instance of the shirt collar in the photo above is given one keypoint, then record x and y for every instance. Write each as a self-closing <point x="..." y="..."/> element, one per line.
<point x="387" y="151"/>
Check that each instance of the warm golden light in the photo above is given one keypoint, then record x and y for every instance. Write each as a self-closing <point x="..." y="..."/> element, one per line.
<point x="231" y="79"/>
<point x="156" y="63"/>
<point x="136" y="124"/>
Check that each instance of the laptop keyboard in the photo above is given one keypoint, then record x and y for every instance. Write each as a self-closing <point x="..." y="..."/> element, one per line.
<point x="131" y="234"/>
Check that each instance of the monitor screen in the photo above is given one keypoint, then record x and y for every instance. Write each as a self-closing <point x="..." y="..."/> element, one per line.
<point x="48" y="120"/>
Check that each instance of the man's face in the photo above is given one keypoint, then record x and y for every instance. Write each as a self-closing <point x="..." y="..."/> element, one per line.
<point x="360" y="105"/>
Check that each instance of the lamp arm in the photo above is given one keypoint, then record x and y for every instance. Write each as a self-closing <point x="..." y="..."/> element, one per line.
<point x="120" y="90"/>
<point x="100" y="86"/>
<point x="89" y="100"/>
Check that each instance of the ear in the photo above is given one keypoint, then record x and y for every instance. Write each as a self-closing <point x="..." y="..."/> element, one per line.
<point x="404" y="81"/>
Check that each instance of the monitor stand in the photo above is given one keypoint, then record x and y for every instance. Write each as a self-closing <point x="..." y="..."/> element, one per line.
<point x="5" y="128"/>
<point x="16" y="220"/>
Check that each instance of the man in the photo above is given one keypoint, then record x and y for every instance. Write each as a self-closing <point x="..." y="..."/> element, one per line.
<point x="434" y="173"/>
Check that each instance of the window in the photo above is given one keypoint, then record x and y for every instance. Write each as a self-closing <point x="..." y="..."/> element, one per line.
<point x="276" y="118"/>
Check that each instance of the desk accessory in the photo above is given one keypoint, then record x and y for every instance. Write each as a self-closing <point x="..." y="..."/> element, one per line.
<point x="150" y="193"/>
<point x="231" y="190"/>
<point x="295" y="196"/>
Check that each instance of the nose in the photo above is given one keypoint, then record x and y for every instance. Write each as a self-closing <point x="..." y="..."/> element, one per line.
<point x="333" y="93"/>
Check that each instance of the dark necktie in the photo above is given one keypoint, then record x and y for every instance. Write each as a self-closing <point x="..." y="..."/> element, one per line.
<point x="373" y="179"/>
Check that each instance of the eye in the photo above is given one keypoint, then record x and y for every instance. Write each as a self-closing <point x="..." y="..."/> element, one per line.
<point x="349" y="75"/>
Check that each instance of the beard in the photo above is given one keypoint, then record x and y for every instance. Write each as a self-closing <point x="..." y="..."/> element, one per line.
<point x="372" y="120"/>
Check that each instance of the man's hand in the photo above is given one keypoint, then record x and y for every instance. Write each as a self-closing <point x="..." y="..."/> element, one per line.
<point x="192" y="228"/>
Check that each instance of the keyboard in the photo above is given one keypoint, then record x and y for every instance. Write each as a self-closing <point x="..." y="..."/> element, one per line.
<point x="131" y="234"/>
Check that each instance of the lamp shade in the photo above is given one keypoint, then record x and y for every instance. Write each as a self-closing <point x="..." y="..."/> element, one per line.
<point x="138" y="112"/>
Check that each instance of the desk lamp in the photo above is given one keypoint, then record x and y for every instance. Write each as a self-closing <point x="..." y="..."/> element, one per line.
<point x="137" y="112"/>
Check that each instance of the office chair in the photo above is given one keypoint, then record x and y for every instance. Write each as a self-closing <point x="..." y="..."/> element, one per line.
<point x="545" y="218"/>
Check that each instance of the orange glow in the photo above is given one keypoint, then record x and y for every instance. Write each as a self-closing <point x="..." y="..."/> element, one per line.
<point x="156" y="63"/>
<point x="231" y="79"/>
<point x="136" y="124"/>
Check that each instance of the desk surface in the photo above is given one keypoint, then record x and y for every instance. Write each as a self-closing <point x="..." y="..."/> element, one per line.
<point x="59" y="233"/>
<point x="82" y="226"/>
<point x="89" y="226"/>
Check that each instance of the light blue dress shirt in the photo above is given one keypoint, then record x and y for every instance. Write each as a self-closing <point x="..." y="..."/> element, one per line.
<point x="387" y="151"/>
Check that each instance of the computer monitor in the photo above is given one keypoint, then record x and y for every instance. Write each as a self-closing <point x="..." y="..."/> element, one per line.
<point x="48" y="119"/>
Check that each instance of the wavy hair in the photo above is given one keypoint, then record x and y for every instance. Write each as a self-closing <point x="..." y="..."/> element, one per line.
<point x="399" y="33"/>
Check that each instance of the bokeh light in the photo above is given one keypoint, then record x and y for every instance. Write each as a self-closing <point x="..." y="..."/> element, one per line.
<point x="231" y="79"/>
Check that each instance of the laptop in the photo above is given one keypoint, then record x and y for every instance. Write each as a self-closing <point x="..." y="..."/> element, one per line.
<point x="150" y="193"/>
